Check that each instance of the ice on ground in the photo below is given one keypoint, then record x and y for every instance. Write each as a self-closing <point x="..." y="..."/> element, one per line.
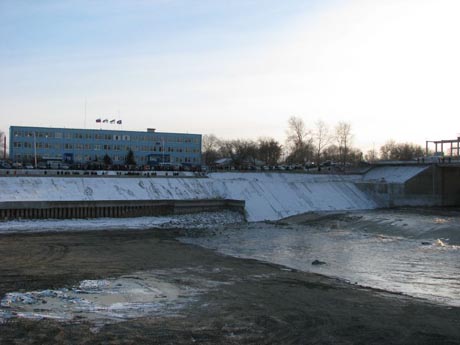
<point x="107" y="300"/>
<point x="189" y="221"/>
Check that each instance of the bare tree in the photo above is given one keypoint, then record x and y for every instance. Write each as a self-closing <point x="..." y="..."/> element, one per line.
<point x="321" y="139"/>
<point x="332" y="153"/>
<point x="372" y="155"/>
<point x="210" y="142"/>
<point x="387" y="149"/>
<point x="400" y="151"/>
<point x="2" y="152"/>
<point x="299" y="141"/>
<point x="297" y="132"/>
<point x="355" y="155"/>
<point x="210" y="148"/>
<point x="269" y="151"/>
<point x="344" y="137"/>
<point x="241" y="152"/>
<point x="245" y="152"/>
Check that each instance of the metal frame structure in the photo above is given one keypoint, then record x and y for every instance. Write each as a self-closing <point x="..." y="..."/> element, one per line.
<point x="453" y="145"/>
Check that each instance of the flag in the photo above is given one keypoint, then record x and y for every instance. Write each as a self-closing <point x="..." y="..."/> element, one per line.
<point x="119" y="122"/>
<point x="112" y="121"/>
<point x="105" y="120"/>
<point x="98" y="120"/>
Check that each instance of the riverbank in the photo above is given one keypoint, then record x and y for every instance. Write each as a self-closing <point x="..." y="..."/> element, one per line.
<point x="234" y="301"/>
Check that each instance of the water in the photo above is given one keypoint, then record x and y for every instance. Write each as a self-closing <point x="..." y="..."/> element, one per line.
<point x="404" y="252"/>
<point x="108" y="300"/>
<point x="416" y="253"/>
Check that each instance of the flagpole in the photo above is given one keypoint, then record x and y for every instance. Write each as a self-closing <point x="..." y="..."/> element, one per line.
<point x="85" y="115"/>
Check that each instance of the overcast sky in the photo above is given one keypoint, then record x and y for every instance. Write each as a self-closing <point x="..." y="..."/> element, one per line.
<point x="238" y="69"/>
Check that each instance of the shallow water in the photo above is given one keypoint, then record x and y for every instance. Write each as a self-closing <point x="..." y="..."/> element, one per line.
<point x="411" y="252"/>
<point x="395" y="251"/>
<point x="140" y="294"/>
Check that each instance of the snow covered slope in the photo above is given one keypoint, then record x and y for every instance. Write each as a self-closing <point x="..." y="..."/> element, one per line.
<point x="268" y="196"/>
<point x="393" y="174"/>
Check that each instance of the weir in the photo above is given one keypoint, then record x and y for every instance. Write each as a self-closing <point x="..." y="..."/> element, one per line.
<point x="261" y="196"/>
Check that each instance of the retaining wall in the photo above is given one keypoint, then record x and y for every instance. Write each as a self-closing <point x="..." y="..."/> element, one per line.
<point x="111" y="208"/>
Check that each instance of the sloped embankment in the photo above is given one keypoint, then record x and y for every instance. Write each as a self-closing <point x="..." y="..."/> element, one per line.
<point x="267" y="196"/>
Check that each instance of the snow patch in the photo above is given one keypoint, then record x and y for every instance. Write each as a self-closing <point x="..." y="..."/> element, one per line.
<point x="268" y="196"/>
<point x="393" y="174"/>
<point x="112" y="299"/>
<point x="189" y="221"/>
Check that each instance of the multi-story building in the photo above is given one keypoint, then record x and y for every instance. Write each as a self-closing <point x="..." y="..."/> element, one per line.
<point x="81" y="146"/>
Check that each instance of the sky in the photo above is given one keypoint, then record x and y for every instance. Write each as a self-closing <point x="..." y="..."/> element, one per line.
<point x="236" y="69"/>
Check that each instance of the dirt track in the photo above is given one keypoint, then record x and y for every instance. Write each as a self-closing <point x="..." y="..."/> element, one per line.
<point x="256" y="303"/>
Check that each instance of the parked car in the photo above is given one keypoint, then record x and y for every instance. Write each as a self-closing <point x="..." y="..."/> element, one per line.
<point x="5" y="165"/>
<point x="310" y="165"/>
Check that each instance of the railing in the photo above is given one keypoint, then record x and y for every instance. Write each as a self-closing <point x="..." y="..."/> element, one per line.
<point x="97" y="173"/>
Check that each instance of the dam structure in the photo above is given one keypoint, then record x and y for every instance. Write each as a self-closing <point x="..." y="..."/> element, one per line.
<point x="260" y="195"/>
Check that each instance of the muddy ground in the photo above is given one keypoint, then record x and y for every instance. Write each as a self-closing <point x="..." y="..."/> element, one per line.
<point x="253" y="303"/>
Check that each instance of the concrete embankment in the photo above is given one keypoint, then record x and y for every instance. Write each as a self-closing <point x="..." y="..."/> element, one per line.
<point x="267" y="196"/>
<point x="413" y="185"/>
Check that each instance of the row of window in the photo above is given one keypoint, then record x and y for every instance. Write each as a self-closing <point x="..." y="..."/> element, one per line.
<point x="70" y="146"/>
<point x="100" y="136"/>
<point x="116" y="158"/>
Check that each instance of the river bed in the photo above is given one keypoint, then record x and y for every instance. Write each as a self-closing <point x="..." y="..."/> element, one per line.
<point x="413" y="252"/>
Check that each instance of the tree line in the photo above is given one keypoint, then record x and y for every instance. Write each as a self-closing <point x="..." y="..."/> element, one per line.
<point x="304" y="145"/>
<point x="2" y="153"/>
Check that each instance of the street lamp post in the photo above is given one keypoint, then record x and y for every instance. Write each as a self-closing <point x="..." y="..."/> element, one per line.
<point x="35" y="149"/>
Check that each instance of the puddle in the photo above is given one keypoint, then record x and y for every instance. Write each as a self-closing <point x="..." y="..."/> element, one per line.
<point x="126" y="297"/>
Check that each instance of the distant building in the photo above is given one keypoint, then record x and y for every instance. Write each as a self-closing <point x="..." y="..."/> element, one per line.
<point x="82" y="146"/>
